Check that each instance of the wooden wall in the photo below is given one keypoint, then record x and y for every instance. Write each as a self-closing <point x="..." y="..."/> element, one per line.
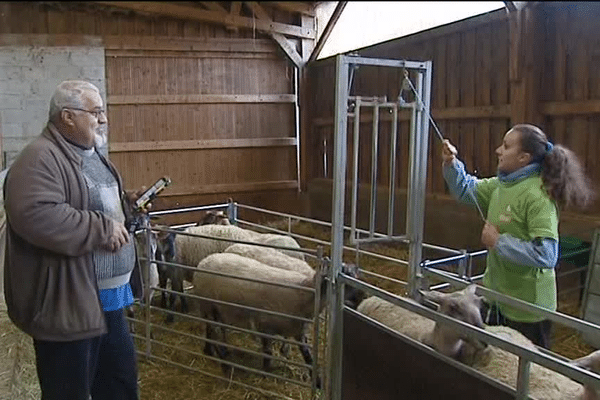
<point x="211" y="107"/>
<point x="540" y="65"/>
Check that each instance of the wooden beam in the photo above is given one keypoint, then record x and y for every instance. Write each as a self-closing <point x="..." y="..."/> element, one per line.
<point x="510" y="6"/>
<point x="453" y="113"/>
<point x="127" y="42"/>
<point x="230" y="188"/>
<point x="236" y="7"/>
<point x="285" y="44"/>
<point x="213" y="6"/>
<point x="307" y="45"/>
<point x="295" y="6"/>
<point x="584" y="107"/>
<point x="199" y="99"/>
<point x="123" y="147"/>
<point x="197" y="14"/>
<point x="327" y="31"/>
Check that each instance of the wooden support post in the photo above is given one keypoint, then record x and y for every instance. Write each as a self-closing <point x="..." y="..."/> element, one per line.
<point x="525" y="68"/>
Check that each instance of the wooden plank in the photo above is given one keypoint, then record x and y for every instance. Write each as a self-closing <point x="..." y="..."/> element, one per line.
<point x="201" y="99"/>
<point x="151" y="44"/>
<point x="193" y="13"/>
<point x="213" y="5"/>
<point x="192" y="54"/>
<point x="232" y="188"/>
<point x="562" y="108"/>
<point x="295" y="6"/>
<point x="121" y="147"/>
<point x="47" y="40"/>
<point x="451" y="113"/>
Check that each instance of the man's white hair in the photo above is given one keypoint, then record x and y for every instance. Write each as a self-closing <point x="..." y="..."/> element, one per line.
<point x="69" y="94"/>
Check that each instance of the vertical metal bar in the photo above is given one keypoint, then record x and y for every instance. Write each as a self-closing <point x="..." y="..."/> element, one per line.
<point x="297" y="123"/>
<point x="411" y="222"/>
<point x="392" y="186"/>
<point x="355" y="169"/>
<point x="316" y="327"/>
<point x="149" y="259"/>
<point x="417" y="186"/>
<point x="374" y="156"/>
<point x="523" y="379"/>
<point x="337" y="227"/>
<point x="462" y="265"/>
<point x="232" y="212"/>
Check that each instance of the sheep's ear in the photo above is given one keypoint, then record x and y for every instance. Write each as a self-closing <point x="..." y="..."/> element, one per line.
<point x="471" y="289"/>
<point x="590" y="362"/>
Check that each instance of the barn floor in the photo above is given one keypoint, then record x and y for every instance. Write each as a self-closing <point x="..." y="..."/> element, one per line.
<point x="158" y="381"/>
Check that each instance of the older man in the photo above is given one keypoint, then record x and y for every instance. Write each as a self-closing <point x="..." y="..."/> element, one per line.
<point x="70" y="258"/>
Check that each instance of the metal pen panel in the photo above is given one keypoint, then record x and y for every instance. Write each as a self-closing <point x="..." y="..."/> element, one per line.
<point x="337" y="229"/>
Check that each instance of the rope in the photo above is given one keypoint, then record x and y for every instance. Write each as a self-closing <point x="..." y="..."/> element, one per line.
<point x="439" y="134"/>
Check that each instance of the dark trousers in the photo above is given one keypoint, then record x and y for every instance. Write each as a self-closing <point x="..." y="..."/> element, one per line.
<point x="537" y="332"/>
<point x="103" y="367"/>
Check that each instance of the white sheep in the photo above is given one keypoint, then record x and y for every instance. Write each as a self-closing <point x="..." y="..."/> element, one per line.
<point x="590" y="362"/>
<point x="275" y="239"/>
<point x="272" y="257"/>
<point x="463" y="305"/>
<point x="260" y="295"/>
<point x="544" y="384"/>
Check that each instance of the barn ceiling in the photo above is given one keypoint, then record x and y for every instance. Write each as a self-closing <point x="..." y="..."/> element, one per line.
<point x="292" y="24"/>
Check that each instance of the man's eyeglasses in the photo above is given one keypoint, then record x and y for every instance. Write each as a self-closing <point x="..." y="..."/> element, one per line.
<point x="95" y="113"/>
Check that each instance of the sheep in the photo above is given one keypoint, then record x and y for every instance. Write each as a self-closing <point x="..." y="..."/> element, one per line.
<point x="590" y="362"/>
<point x="214" y="218"/>
<point x="271" y="257"/>
<point x="189" y="250"/>
<point x="490" y="360"/>
<point x="274" y="239"/>
<point x="259" y="295"/>
<point x="463" y="305"/>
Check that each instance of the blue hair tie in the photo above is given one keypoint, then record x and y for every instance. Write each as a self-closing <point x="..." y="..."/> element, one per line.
<point x="549" y="146"/>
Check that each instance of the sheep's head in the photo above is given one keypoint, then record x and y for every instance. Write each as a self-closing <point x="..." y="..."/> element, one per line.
<point x="463" y="305"/>
<point x="591" y="362"/>
<point x="353" y="296"/>
<point x="214" y="218"/>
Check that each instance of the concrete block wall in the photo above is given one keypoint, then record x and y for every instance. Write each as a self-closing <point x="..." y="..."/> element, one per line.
<point x="28" y="77"/>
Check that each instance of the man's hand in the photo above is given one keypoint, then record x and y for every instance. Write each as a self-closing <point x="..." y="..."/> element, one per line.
<point x="133" y="195"/>
<point x="489" y="235"/>
<point x="118" y="237"/>
<point x="449" y="152"/>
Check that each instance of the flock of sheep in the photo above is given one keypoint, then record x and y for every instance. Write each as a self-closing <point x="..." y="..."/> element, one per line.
<point x="280" y="281"/>
<point x="256" y="277"/>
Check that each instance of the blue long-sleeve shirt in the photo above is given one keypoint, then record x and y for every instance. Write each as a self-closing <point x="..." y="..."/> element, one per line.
<point x="540" y="252"/>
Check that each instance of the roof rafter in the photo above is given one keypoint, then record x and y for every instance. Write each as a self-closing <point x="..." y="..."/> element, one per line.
<point x="220" y="17"/>
<point x="285" y="44"/>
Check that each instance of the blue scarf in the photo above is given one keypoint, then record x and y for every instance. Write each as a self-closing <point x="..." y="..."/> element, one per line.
<point x="521" y="173"/>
